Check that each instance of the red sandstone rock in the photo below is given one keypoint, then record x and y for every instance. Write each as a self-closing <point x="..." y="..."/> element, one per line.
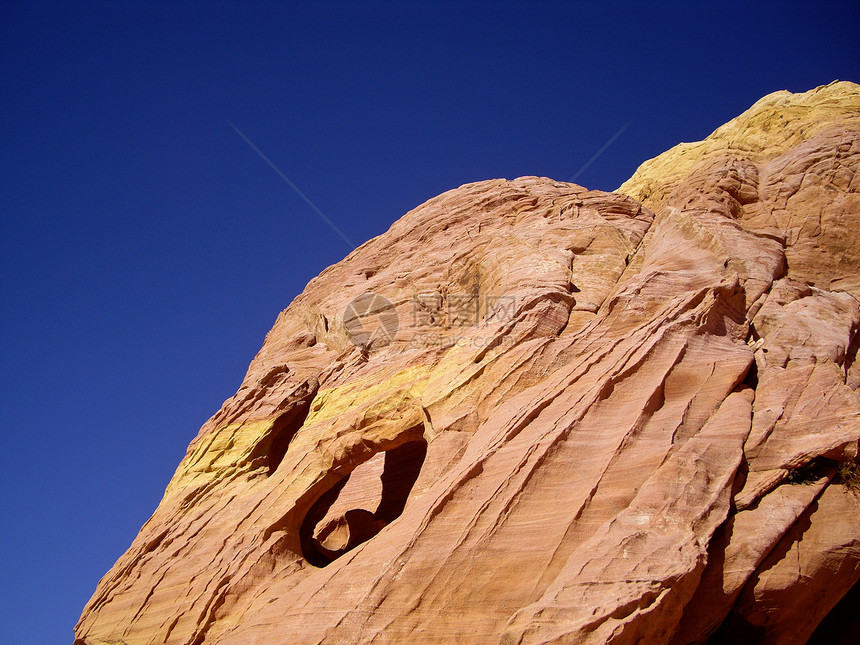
<point x="592" y="419"/>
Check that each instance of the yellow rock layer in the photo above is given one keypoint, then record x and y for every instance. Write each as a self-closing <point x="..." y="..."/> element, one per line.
<point x="773" y="125"/>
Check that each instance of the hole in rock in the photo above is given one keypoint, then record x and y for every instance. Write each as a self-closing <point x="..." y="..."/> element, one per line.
<point x="751" y="378"/>
<point x="361" y="504"/>
<point x="283" y="430"/>
<point x="851" y="352"/>
<point x="811" y="472"/>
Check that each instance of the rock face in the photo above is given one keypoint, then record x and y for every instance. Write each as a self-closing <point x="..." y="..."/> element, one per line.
<point x="535" y="413"/>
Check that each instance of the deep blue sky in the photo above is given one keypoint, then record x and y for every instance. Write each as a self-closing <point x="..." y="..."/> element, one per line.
<point x="146" y="249"/>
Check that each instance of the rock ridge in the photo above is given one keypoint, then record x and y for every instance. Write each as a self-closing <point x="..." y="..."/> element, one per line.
<point x="531" y="412"/>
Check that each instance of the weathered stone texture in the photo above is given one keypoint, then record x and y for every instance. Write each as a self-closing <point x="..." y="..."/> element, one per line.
<point x="603" y="418"/>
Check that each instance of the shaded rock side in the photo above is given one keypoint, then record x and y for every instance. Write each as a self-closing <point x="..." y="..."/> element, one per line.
<point x="560" y="416"/>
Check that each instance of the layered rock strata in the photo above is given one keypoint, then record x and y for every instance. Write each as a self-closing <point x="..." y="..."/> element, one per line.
<point x="536" y="413"/>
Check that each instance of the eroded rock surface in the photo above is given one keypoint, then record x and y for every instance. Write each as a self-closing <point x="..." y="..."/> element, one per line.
<point x="601" y="418"/>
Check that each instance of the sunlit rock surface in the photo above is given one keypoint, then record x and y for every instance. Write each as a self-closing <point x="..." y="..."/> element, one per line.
<point x="565" y="416"/>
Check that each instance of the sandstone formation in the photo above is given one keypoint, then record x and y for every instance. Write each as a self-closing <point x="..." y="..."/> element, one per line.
<point x="560" y="416"/>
